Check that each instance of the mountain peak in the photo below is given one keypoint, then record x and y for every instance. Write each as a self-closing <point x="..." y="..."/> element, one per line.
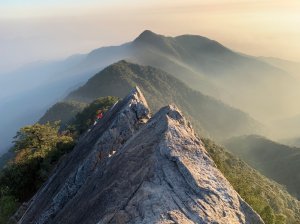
<point x="170" y="112"/>
<point x="147" y="33"/>
<point x="148" y="36"/>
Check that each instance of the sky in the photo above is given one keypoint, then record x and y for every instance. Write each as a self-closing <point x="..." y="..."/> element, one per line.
<point x="34" y="30"/>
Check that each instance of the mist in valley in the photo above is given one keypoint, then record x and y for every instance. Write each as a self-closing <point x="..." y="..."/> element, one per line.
<point x="265" y="89"/>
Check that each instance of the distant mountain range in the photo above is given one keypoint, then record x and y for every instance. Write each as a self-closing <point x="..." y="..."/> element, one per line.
<point x="248" y="83"/>
<point x="211" y="117"/>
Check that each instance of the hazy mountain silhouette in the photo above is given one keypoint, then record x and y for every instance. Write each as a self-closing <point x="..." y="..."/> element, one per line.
<point x="292" y="67"/>
<point x="210" y="116"/>
<point x="294" y="142"/>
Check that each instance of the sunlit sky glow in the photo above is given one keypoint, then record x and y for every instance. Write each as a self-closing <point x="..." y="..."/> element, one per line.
<point x="36" y="30"/>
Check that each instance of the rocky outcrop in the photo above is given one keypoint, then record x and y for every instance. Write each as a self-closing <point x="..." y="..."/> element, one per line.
<point x="128" y="171"/>
<point x="117" y="126"/>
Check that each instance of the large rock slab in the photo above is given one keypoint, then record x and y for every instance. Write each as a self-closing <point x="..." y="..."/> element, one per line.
<point x="116" y="127"/>
<point x="132" y="172"/>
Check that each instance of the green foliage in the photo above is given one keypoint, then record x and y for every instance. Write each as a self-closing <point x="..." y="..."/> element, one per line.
<point x="86" y="118"/>
<point x="38" y="148"/>
<point x="269" y="199"/>
<point x="37" y="141"/>
<point x="280" y="219"/>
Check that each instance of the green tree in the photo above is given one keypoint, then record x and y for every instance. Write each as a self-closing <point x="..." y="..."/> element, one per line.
<point x="37" y="148"/>
<point x="36" y="141"/>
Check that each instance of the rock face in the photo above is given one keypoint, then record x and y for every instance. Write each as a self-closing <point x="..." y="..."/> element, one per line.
<point x="129" y="169"/>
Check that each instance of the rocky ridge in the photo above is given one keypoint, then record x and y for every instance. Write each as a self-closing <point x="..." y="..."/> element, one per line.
<point x="131" y="168"/>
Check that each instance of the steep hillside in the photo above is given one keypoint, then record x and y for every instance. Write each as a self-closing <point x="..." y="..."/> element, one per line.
<point x="135" y="170"/>
<point x="268" y="198"/>
<point x="210" y="116"/>
<point x="276" y="161"/>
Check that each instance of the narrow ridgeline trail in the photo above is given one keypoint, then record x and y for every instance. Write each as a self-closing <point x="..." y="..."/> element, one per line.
<point x="131" y="168"/>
